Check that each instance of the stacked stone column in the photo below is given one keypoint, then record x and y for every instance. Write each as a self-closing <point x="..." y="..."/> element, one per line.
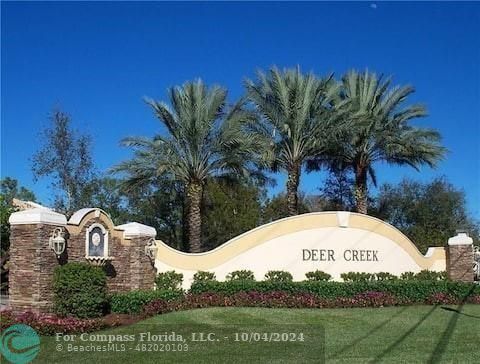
<point x="142" y="270"/>
<point x="460" y="258"/>
<point x="32" y="262"/>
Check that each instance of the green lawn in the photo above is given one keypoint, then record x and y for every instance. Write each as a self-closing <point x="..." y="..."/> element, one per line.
<point x="414" y="334"/>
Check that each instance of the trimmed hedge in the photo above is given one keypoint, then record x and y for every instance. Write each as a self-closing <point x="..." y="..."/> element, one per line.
<point x="80" y="290"/>
<point x="202" y="276"/>
<point x="318" y="275"/>
<point x="240" y="275"/>
<point x="133" y="302"/>
<point x="278" y="276"/>
<point x="170" y="280"/>
<point x="412" y="291"/>
<point x="358" y="277"/>
<point x="424" y="275"/>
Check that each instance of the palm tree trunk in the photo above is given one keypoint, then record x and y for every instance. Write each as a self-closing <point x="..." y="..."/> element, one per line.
<point x="194" y="218"/>
<point x="292" y="190"/>
<point x="361" y="193"/>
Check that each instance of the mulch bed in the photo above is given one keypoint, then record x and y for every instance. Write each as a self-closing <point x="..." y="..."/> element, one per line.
<point x="121" y="319"/>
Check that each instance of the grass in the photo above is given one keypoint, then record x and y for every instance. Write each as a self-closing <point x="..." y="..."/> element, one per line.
<point x="411" y="334"/>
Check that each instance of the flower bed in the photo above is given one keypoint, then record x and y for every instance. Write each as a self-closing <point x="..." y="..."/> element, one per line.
<point x="273" y="299"/>
<point x="133" y="302"/>
<point x="48" y="324"/>
<point x="409" y="291"/>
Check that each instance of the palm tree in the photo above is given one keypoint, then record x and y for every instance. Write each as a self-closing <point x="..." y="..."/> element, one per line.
<point x="295" y="115"/>
<point x="379" y="130"/>
<point x="204" y="139"/>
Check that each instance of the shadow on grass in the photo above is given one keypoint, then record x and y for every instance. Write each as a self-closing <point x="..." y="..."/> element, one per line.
<point x="447" y="334"/>
<point x="441" y="346"/>
<point x="403" y="337"/>
<point x="371" y="332"/>
<point x="459" y="312"/>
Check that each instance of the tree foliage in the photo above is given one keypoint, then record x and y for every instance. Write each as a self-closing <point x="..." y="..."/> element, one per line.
<point x="107" y="195"/>
<point x="379" y="130"/>
<point x="202" y="183"/>
<point x="230" y="209"/>
<point x="204" y="140"/>
<point x="295" y="118"/>
<point x="428" y="213"/>
<point x="276" y="207"/>
<point x="9" y="189"/>
<point x="337" y="191"/>
<point x="160" y="205"/>
<point x="65" y="157"/>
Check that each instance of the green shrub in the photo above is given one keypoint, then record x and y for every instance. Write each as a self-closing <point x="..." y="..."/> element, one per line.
<point x="428" y="275"/>
<point x="228" y="287"/>
<point x="357" y="277"/>
<point x="278" y="276"/>
<point x="407" y="275"/>
<point x="170" y="280"/>
<point x="202" y="276"/>
<point x="424" y="275"/>
<point x="318" y="276"/>
<point x="80" y="290"/>
<point x="385" y="276"/>
<point x="241" y="275"/>
<point x="406" y="291"/>
<point x="132" y="302"/>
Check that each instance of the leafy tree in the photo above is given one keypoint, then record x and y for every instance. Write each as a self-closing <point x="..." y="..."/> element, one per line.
<point x="313" y="203"/>
<point x="108" y="195"/>
<point x="9" y="190"/>
<point x="6" y="210"/>
<point x="65" y="156"/>
<point x="337" y="191"/>
<point x="204" y="140"/>
<point x="230" y="209"/>
<point x="379" y="130"/>
<point x="296" y="119"/>
<point x="277" y="208"/>
<point x="428" y="213"/>
<point x="160" y="204"/>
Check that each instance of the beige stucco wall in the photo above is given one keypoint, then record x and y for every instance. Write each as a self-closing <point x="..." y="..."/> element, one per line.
<point x="285" y="244"/>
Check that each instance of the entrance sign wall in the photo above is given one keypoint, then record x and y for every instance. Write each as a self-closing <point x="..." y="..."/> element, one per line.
<point x="333" y="242"/>
<point x="90" y="237"/>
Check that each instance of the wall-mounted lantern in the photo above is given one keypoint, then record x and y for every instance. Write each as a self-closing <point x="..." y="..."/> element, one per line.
<point x="57" y="241"/>
<point x="151" y="249"/>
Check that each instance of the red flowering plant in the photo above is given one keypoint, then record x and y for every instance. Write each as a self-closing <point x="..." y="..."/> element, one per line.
<point x="206" y="299"/>
<point x="48" y="324"/>
<point x="278" y="299"/>
<point x="156" y="307"/>
<point x="441" y="298"/>
<point x="474" y="299"/>
<point x="367" y="299"/>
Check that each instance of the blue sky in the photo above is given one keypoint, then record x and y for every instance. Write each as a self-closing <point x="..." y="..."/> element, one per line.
<point x="98" y="60"/>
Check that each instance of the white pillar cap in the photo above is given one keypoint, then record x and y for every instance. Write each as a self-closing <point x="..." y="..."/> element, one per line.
<point x="343" y="218"/>
<point x="135" y="229"/>
<point x="40" y="215"/>
<point x="460" y="239"/>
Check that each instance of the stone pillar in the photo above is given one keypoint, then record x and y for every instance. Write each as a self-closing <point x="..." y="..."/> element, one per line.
<point x="142" y="270"/>
<point x="31" y="260"/>
<point x="460" y="258"/>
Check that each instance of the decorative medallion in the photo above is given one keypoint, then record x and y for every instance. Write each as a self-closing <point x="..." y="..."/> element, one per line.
<point x="97" y="241"/>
